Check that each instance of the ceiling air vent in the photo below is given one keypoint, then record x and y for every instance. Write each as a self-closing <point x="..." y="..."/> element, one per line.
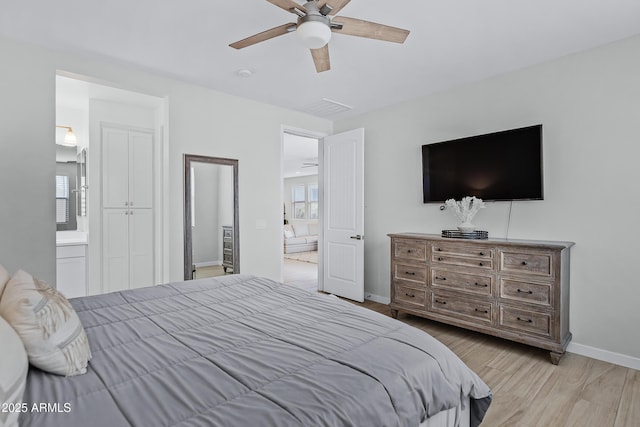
<point x="325" y="108"/>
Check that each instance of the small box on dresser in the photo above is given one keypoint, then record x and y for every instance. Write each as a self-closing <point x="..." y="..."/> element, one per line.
<point x="513" y="289"/>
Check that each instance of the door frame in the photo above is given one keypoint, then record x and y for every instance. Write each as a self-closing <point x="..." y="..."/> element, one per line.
<point x="320" y="137"/>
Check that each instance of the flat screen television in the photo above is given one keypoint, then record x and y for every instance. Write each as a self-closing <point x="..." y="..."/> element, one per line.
<point x="504" y="165"/>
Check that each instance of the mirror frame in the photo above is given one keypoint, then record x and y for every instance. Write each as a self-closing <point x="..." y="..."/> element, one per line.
<point x="188" y="238"/>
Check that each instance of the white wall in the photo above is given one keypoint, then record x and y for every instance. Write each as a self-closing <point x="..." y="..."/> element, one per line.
<point x="206" y="232"/>
<point x="200" y="121"/>
<point x="589" y="105"/>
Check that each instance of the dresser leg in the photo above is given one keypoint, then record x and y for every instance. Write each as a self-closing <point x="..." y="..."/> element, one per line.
<point x="394" y="313"/>
<point x="555" y="357"/>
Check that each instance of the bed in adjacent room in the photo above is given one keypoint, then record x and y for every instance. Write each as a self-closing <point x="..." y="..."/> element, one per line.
<point x="241" y="350"/>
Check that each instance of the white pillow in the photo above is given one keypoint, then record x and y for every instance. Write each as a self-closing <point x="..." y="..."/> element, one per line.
<point x="14" y="367"/>
<point x="48" y="325"/>
<point x="4" y="278"/>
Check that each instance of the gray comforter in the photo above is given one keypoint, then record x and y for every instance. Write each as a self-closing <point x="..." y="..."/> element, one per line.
<point x="247" y="351"/>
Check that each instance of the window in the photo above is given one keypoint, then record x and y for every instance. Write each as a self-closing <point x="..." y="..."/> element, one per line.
<point x="62" y="199"/>
<point x="313" y="201"/>
<point x="299" y="202"/>
<point x="304" y="201"/>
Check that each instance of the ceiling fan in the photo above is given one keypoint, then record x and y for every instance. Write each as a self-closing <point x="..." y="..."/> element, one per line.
<point x="315" y="24"/>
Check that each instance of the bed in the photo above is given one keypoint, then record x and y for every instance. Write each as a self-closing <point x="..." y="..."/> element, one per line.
<point x="241" y="350"/>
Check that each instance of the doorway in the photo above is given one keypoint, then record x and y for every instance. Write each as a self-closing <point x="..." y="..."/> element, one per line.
<point x="301" y="207"/>
<point x="90" y="110"/>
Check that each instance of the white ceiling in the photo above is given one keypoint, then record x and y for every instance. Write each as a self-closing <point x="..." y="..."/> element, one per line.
<point x="300" y="154"/>
<point x="452" y="42"/>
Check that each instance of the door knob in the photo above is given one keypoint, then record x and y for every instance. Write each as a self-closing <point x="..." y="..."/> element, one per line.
<point x="357" y="237"/>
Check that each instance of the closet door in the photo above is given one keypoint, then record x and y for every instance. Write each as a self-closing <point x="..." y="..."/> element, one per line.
<point x="141" y="247"/>
<point x="115" y="168"/>
<point x="115" y="254"/>
<point x="128" y="244"/>
<point x="140" y="170"/>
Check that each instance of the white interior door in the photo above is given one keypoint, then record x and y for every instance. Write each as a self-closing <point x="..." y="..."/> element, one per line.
<point x="343" y="215"/>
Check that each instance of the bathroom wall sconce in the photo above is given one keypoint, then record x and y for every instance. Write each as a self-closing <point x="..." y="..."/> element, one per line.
<point x="70" y="139"/>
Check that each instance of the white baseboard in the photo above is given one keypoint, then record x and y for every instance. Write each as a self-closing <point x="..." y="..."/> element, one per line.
<point x="604" y="355"/>
<point x="207" y="263"/>
<point x="581" y="349"/>
<point x="377" y="298"/>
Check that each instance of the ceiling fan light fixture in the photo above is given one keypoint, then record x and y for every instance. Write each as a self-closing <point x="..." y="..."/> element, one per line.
<point x="314" y="34"/>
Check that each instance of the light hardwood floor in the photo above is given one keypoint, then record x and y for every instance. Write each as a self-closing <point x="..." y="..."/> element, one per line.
<point x="213" y="271"/>
<point x="528" y="391"/>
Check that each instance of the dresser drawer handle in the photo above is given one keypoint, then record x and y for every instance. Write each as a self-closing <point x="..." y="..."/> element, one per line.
<point x="481" y="253"/>
<point x="481" y="264"/>
<point x="410" y="295"/>
<point x="441" y="278"/>
<point x="484" y="285"/>
<point x="441" y="302"/>
<point x="524" y="292"/>
<point x="481" y="311"/>
<point x="409" y="251"/>
<point x="440" y="258"/>
<point x="410" y="273"/>
<point x="524" y="320"/>
<point x="524" y="262"/>
<point x="439" y="249"/>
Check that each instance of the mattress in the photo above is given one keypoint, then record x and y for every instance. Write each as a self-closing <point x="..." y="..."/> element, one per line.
<point x="241" y="350"/>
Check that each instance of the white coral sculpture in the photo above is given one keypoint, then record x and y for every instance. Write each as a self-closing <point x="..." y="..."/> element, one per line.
<point x="465" y="209"/>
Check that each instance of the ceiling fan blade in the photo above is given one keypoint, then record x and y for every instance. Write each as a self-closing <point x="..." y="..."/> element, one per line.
<point x="370" y="30"/>
<point x="335" y="5"/>
<point x="321" y="58"/>
<point x="288" y="5"/>
<point x="265" y="35"/>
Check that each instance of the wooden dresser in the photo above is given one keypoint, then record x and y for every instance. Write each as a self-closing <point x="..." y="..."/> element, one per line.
<point x="513" y="289"/>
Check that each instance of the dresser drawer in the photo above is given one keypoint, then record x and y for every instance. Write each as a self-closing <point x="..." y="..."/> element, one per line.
<point x="478" y="284"/>
<point x="534" y="293"/>
<point x="414" y="250"/>
<point x="411" y="273"/>
<point x="524" y="320"/>
<point x="442" y="258"/>
<point x="475" y="251"/>
<point x="457" y="306"/>
<point x="529" y="263"/>
<point x="409" y="296"/>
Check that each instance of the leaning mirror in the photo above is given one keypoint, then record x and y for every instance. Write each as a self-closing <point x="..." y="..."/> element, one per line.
<point x="210" y="217"/>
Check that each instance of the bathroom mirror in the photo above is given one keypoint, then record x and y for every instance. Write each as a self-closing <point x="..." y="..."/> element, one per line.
<point x="211" y="234"/>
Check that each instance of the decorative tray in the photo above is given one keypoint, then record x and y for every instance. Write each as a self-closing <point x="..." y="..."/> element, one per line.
<point x="474" y="235"/>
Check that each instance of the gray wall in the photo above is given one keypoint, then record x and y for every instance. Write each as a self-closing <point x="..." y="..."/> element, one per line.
<point x="27" y="162"/>
<point x="589" y="105"/>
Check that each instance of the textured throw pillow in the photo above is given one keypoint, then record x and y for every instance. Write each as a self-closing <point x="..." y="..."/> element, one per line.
<point x="14" y="366"/>
<point x="288" y="234"/>
<point x="4" y="278"/>
<point x="48" y="325"/>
